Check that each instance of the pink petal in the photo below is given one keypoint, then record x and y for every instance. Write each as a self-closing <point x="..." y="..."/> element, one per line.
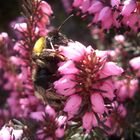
<point x="109" y="88"/>
<point x="95" y="7"/>
<point x="115" y="3"/>
<point x="67" y="67"/>
<point x="129" y="7"/>
<point x="45" y="7"/>
<point x="135" y="63"/>
<point x="104" y="14"/>
<point x="38" y="116"/>
<point x="73" y="104"/>
<point x="94" y="121"/>
<point x="65" y="85"/>
<point x="17" y="134"/>
<point x="77" y="3"/>
<point x="59" y="132"/>
<point x="110" y="68"/>
<point x="106" y="24"/>
<point x="101" y="54"/>
<point x="123" y="94"/>
<point x="22" y="27"/>
<point x="133" y="87"/>
<point x="120" y="38"/>
<point x="85" y="5"/>
<point x="97" y="103"/>
<point x="61" y="120"/>
<point x="87" y="121"/>
<point x="74" y="51"/>
<point x="49" y="110"/>
<point x="122" y="110"/>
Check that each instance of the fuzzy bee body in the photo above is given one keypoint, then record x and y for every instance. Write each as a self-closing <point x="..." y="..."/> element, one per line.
<point x="45" y="56"/>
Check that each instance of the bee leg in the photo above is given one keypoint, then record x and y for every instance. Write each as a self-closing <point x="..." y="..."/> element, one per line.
<point x="52" y="45"/>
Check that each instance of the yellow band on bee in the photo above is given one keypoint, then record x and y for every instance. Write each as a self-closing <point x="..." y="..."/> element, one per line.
<point x="39" y="45"/>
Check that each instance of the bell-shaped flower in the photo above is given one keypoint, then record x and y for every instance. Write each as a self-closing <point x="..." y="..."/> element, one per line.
<point x="97" y="103"/>
<point x="73" y="104"/>
<point x="65" y="85"/>
<point x="110" y="69"/>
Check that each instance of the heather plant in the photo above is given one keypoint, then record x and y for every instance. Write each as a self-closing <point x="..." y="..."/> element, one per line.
<point x="55" y="87"/>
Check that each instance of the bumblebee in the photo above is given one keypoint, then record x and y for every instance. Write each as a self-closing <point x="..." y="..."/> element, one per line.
<point x="45" y="57"/>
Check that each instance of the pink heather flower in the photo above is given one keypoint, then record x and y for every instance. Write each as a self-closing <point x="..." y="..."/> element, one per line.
<point x="86" y="80"/>
<point x="61" y="121"/>
<point x="67" y="5"/>
<point x="44" y="11"/>
<point x="106" y="24"/>
<point x="85" y="5"/>
<point x="22" y="27"/>
<point x="65" y="85"/>
<point x="17" y="61"/>
<point x="122" y="110"/>
<point x="111" y="13"/>
<point x="38" y="116"/>
<point x="110" y="68"/>
<point x="126" y="88"/>
<point x="95" y="7"/>
<point x="50" y="111"/>
<point x="119" y="38"/>
<point x="4" y="38"/>
<point x="77" y="51"/>
<point x="9" y="133"/>
<point x="77" y="3"/>
<point x="115" y="119"/>
<point x="45" y="8"/>
<point x="64" y="68"/>
<point x="72" y="105"/>
<point x="104" y="14"/>
<point x="88" y="121"/>
<point x="97" y="103"/>
<point x="135" y="63"/>
<point x="54" y="127"/>
<point x="132" y="21"/>
<point x="109" y="87"/>
<point x="59" y="132"/>
<point x="128" y="7"/>
<point x="115" y="3"/>
<point x="21" y="48"/>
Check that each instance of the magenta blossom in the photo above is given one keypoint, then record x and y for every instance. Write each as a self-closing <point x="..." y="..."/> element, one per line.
<point x="86" y="81"/>
<point x="135" y="64"/>
<point x="9" y="133"/>
<point x="54" y="125"/>
<point x="126" y="88"/>
<point x="113" y="13"/>
<point x="115" y="119"/>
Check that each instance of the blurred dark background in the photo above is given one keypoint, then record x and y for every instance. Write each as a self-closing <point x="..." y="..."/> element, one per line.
<point x="9" y="10"/>
<point x="74" y="28"/>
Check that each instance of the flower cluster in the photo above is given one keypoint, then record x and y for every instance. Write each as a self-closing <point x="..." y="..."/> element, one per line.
<point x="9" y="133"/>
<point x="22" y="95"/>
<point x="53" y="88"/>
<point x="87" y="81"/>
<point x="15" y="67"/>
<point x="113" y="13"/>
<point x="52" y="127"/>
